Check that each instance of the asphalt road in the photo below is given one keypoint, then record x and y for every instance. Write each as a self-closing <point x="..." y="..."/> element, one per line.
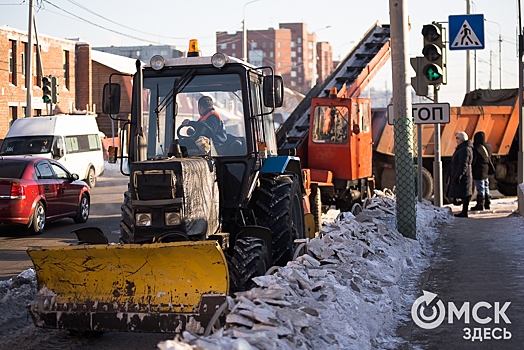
<point x="106" y="198"/>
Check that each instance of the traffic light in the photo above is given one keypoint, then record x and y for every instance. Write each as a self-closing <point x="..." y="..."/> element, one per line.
<point x="419" y="83"/>
<point x="55" y="92"/>
<point x="46" y="89"/>
<point x="434" y="52"/>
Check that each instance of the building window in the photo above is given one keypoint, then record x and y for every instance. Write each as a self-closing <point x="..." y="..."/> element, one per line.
<point x="254" y="45"/>
<point x="271" y="54"/>
<point x="223" y="46"/>
<point x="299" y="49"/>
<point x="66" y="68"/>
<point x="233" y="46"/>
<point x="234" y="54"/>
<point x="299" y="69"/>
<point x="263" y="44"/>
<point x="300" y="80"/>
<point x="310" y="45"/>
<point x="278" y="54"/>
<point x="293" y="64"/>
<point x="293" y="54"/>
<point x="293" y="84"/>
<point x="12" y="62"/>
<point x="310" y="55"/>
<point x="299" y="40"/>
<point x="292" y="43"/>
<point x="279" y="64"/>
<point x="22" y="60"/>
<point x="37" y="68"/>
<point x="271" y="44"/>
<point x="293" y="74"/>
<point x="278" y="44"/>
<point x="12" y="114"/>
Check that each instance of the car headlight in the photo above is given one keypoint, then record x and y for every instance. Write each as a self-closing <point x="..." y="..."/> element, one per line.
<point x="143" y="219"/>
<point x="172" y="219"/>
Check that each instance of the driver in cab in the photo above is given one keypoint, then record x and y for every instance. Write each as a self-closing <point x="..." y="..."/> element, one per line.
<point x="212" y="119"/>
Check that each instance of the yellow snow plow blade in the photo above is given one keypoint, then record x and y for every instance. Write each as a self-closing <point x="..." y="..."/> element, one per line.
<point x="159" y="287"/>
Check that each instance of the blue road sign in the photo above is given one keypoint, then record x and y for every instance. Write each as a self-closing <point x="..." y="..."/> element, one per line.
<point x="466" y="32"/>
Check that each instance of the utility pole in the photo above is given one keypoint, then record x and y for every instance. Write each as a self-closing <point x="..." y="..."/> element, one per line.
<point x="468" y="73"/>
<point x="520" y="172"/>
<point x="403" y="123"/>
<point x="29" y="64"/>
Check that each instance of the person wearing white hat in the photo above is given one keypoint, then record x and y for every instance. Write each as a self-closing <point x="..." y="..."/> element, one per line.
<point x="460" y="175"/>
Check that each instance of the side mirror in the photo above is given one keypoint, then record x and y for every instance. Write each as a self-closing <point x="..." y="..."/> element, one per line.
<point x="75" y="177"/>
<point x="112" y="152"/>
<point x="273" y="93"/>
<point x="111" y="99"/>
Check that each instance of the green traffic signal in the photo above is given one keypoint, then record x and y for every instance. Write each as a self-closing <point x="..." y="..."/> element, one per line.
<point x="432" y="72"/>
<point x="46" y="89"/>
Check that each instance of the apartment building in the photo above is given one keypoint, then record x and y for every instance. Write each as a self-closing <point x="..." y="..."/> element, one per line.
<point x="290" y="50"/>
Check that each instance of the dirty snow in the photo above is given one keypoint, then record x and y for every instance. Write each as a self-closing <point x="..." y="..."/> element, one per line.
<point x="352" y="289"/>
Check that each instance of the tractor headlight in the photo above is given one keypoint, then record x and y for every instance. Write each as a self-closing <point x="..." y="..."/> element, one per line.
<point x="219" y="60"/>
<point x="157" y="62"/>
<point x="172" y="219"/>
<point x="143" y="219"/>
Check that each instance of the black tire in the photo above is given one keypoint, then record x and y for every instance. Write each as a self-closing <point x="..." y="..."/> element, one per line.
<point x="250" y="259"/>
<point x="38" y="219"/>
<point x="316" y="209"/>
<point x="507" y="189"/>
<point x="277" y="203"/>
<point x="83" y="210"/>
<point x="427" y="182"/>
<point x="91" y="177"/>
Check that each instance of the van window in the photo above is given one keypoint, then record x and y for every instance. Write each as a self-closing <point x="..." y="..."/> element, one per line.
<point x="82" y="143"/>
<point x="27" y="145"/>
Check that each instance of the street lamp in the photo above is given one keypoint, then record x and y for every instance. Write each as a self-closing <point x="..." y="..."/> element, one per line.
<point x="314" y="75"/>
<point x="244" y="31"/>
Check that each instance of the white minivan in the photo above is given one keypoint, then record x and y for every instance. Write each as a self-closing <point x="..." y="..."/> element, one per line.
<point x="72" y="140"/>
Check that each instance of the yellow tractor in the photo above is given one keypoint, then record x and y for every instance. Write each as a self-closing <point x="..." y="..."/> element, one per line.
<point x="202" y="215"/>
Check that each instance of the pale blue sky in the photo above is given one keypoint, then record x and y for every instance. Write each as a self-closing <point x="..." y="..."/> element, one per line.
<point x="175" y="22"/>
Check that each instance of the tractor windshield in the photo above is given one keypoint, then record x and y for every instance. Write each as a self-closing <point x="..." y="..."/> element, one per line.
<point x="214" y="126"/>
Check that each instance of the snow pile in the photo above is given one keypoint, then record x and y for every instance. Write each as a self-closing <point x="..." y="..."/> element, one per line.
<point x="351" y="290"/>
<point x="15" y="294"/>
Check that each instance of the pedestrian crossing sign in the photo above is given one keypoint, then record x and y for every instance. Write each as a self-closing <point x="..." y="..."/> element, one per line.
<point x="466" y="32"/>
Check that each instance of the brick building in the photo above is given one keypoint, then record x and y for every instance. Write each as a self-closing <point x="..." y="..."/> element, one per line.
<point x="81" y="71"/>
<point x="57" y="59"/>
<point x="290" y="50"/>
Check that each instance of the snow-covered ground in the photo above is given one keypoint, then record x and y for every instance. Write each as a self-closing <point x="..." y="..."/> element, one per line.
<point x="352" y="289"/>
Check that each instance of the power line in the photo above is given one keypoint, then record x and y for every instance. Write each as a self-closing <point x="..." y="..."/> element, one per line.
<point x="124" y="26"/>
<point x="99" y="26"/>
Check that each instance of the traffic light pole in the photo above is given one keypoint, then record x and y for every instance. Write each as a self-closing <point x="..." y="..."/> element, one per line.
<point x="437" y="167"/>
<point x="29" y="65"/>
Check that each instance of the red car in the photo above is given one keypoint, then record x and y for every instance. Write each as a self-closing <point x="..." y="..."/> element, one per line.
<point x="35" y="190"/>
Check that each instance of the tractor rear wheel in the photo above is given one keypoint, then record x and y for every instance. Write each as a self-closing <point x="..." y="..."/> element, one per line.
<point x="250" y="259"/>
<point x="277" y="204"/>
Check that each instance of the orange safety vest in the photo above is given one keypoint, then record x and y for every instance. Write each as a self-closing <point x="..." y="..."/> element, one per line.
<point x="208" y="114"/>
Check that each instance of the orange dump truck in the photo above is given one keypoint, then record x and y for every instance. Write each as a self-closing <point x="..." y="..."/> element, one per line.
<point x="493" y="111"/>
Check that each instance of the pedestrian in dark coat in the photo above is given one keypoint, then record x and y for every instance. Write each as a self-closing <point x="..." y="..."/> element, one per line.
<point x="481" y="161"/>
<point x="461" y="178"/>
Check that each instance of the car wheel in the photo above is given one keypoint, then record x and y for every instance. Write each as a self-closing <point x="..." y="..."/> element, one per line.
<point x="83" y="210"/>
<point x="91" y="178"/>
<point x="38" y="220"/>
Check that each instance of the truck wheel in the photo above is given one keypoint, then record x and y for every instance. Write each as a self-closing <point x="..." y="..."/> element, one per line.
<point x="427" y="182"/>
<point x="250" y="259"/>
<point x="507" y="189"/>
<point x="38" y="219"/>
<point x="91" y="177"/>
<point x="83" y="210"/>
<point x="316" y="209"/>
<point x="277" y="204"/>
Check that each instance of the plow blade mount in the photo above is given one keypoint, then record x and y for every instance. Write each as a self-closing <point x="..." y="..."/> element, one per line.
<point x="159" y="287"/>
